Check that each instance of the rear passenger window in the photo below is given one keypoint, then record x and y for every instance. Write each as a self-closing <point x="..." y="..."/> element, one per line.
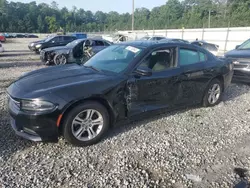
<point x="99" y="43"/>
<point x="203" y="56"/>
<point x="189" y="57"/>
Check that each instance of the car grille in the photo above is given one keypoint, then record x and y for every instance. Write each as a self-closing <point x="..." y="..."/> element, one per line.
<point x="240" y="64"/>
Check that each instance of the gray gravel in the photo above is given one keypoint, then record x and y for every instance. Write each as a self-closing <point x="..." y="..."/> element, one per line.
<point x="198" y="147"/>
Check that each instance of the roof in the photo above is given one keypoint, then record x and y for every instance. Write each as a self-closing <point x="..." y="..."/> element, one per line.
<point x="141" y="43"/>
<point x="148" y="43"/>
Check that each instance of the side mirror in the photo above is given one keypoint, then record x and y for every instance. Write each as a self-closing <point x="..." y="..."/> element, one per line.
<point x="143" y="71"/>
<point x="236" y="47"/>
<point x="52" y="41"/>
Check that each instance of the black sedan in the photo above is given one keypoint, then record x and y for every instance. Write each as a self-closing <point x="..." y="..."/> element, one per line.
<point x="241" y="59"/>
<point x="82" y="102"/>
<point x="58" y="40"/>
<point x="72" y="52"/>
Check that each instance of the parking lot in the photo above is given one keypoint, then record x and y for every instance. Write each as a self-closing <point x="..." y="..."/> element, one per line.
<point x="195" y="147"/>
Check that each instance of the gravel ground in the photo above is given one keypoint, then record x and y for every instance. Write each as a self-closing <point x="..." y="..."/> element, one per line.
<point x="198" y="147"/>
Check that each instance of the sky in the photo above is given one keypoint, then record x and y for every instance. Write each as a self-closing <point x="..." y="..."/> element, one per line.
<point x="120" y="6"/>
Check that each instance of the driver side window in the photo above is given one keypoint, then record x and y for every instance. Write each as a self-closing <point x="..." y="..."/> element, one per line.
<point x="160" y="60"/>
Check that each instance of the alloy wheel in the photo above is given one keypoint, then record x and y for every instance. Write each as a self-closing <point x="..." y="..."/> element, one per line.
<point x="61" y="60"/>
<point x="87" y="125"/>
<point x="214" y="93"/>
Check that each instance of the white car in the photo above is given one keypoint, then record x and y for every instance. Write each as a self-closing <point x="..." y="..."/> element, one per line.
<point x="155" y="38"/>
<point x="1" y="47"/>
<point x="213" y="48"/>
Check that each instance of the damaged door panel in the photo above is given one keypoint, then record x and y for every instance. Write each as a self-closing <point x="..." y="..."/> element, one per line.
<point x="159" y="90"/>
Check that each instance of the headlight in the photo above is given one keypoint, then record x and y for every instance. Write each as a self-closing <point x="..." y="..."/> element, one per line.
<point x="38" y="45"/>
<point x="37" y="106"/>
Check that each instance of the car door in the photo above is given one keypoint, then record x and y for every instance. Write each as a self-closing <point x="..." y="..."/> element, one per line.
<point x="193" y="77"/>
<point x="77" y="52"/>
<point x="158" y="91"/>
<point x="53" y="42"/>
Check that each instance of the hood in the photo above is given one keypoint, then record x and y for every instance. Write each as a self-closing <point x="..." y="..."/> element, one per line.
<point x="43" y="81"/>
<point x="238" y="53"/>
<point x="57" y="48"/>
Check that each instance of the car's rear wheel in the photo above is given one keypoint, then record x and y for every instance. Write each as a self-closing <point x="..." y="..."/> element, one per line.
<point x="213" y="93"/>
<point x="60" y="59"/>
<point x="86" y="124"/>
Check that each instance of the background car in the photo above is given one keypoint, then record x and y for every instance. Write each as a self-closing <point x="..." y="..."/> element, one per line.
<point x="53" y="41"/>
<point x="2" y="38"/>
<point x="213" y="48"/>
<point x="174" y="40"/>
<point x="19" y="35"/>
<point x="1" y="47"/>
<point x="120" y="82"/>
<point x="31" y="36"/>
<point x="153" y="38"/>
<point x="241" y="59"/>
<point x="72" y="52"/>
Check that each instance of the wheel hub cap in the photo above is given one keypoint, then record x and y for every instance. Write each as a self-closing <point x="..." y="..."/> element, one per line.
<point x="87" y="125"/>
<point x="214" y="93"/>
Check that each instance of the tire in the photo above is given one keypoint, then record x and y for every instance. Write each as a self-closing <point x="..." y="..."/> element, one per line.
<point x="60" y="59"/>
<point x="213" y="93"/>
<point x="76" y="124"/>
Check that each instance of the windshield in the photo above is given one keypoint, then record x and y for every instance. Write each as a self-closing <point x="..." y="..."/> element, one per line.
<point x="245" y="45"/>
<point x="74" y="43"/>
<point x="114" y="59"/>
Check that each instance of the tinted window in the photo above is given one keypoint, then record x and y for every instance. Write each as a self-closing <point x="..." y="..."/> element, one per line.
<point x="203" y="56"/>
<point x="160" y="60"/>
<point x="106" y="44"/>
<point x="99" y="43"/>
<point x="188" y="57"/>
<point x="245" y="45"/>
<point x="55" y="39"/>
<point x="159" y="38"/>
<point x="68" y="38"/>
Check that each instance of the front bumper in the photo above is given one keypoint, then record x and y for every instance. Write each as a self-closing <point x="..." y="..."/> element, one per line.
<point x="33" y="126"/>
<point x="32" y="48"/>
<point x="242" y="76"/>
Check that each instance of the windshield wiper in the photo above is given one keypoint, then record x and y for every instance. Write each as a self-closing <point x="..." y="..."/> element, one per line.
<point x="92" y="68"/>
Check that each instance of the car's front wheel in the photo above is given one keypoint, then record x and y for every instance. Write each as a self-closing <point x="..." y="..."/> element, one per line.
<point x="213" y="93"/>
<point x="86" y="124"/>
<point x="60" y="59"/>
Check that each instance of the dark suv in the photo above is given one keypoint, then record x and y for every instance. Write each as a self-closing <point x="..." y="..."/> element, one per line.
<point x="51" y="42"/>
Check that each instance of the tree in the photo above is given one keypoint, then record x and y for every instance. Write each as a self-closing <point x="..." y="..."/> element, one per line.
<point x="51" y="21"/>
<point x="33" y="17"/>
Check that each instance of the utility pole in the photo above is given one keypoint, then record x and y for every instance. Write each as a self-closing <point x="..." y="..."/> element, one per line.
<point x="133" y="15"/>
<point x="209" y="18"/>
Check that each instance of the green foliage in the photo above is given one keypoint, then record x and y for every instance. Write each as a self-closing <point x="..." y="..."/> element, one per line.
<point x="44" y="18"/>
